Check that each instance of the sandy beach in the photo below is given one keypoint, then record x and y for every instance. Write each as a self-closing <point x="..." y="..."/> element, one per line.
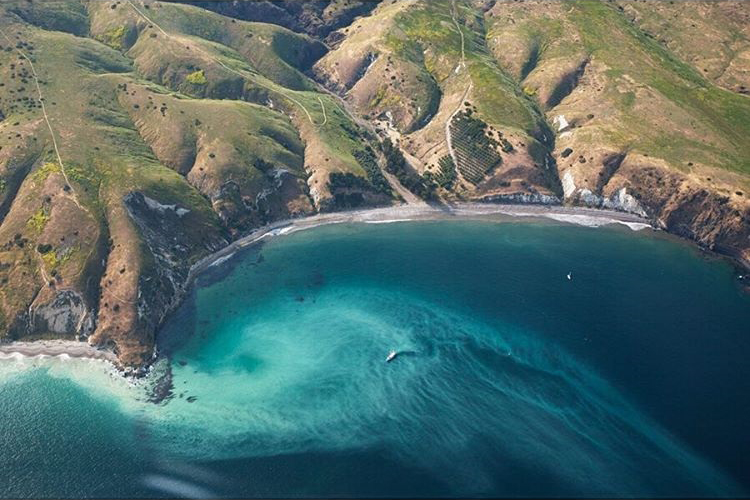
<point x="574" y="215"/>
<point x="70" y="348"/>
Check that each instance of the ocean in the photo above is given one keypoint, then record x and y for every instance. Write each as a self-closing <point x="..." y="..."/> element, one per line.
<point x="628" y="379"/>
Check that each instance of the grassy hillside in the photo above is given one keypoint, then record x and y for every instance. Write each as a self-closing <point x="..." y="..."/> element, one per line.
<point x="572" y="58"/>
<point x="635" y="106"/>
<point x="137" y="137"/>
<point x="166" y="131"/>
<point x="414" y="67"/>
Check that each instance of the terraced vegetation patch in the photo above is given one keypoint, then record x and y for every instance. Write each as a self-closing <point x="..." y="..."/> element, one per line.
<point x="446" y="176"/>
<point x="476" y="151"/>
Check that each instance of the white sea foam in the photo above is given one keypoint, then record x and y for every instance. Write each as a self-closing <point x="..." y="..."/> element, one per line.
<point x="594" y="220"/>
<point x="99" y="377"/>
<point x="221" y="259"/>
<point x="12" y="355"/>
<point x="385" y="221"/>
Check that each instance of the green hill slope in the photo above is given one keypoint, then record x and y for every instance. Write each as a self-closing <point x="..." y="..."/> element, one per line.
<point x="137" y="137"/>
<point x="156" y="144"/>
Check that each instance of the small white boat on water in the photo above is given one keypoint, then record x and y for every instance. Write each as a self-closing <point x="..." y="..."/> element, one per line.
<point x="391" y="356"/>
<point x="570" y="276"/>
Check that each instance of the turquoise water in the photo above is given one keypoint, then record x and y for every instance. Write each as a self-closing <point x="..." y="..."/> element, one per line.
<point x="630" y="379"/>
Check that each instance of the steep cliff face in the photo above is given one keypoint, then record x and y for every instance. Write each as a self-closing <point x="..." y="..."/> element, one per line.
<point x="164" y="231"/>
<point x="690" y="210"/>
<point x="673" y="202"/>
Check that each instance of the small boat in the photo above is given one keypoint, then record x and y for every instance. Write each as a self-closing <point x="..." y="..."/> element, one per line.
<point x="391" y="356"/>
<point x="570" y="276"/>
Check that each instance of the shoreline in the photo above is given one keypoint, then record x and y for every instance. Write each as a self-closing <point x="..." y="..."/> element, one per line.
<point x="55" y="348"/>
<point x="591" y="217"/>
<point x="383" y="215"/>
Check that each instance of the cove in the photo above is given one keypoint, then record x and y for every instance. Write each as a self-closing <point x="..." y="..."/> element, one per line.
<point x="630" y="379"/>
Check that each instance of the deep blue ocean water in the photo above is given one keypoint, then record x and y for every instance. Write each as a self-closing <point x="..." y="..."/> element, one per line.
<point x="630" y="379"/>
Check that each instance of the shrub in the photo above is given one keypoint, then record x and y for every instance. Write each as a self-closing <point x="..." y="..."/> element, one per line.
<point x="396" y="165"/>
<point x="45" y="170"/>
<point x="507" y="146"/>
<point x="44" y="248"/>
<point x="197" y="78"/>
<point x="447" y="175"/>
<point x="348" y="200"/>
<point x="114" y="37"/>
<point x="368" y="162"/>
<point x="339" y="180"/>
<point x="38" y="220"/>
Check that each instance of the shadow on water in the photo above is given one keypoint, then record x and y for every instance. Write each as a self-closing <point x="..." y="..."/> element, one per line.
<point x="250" y="255"/>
